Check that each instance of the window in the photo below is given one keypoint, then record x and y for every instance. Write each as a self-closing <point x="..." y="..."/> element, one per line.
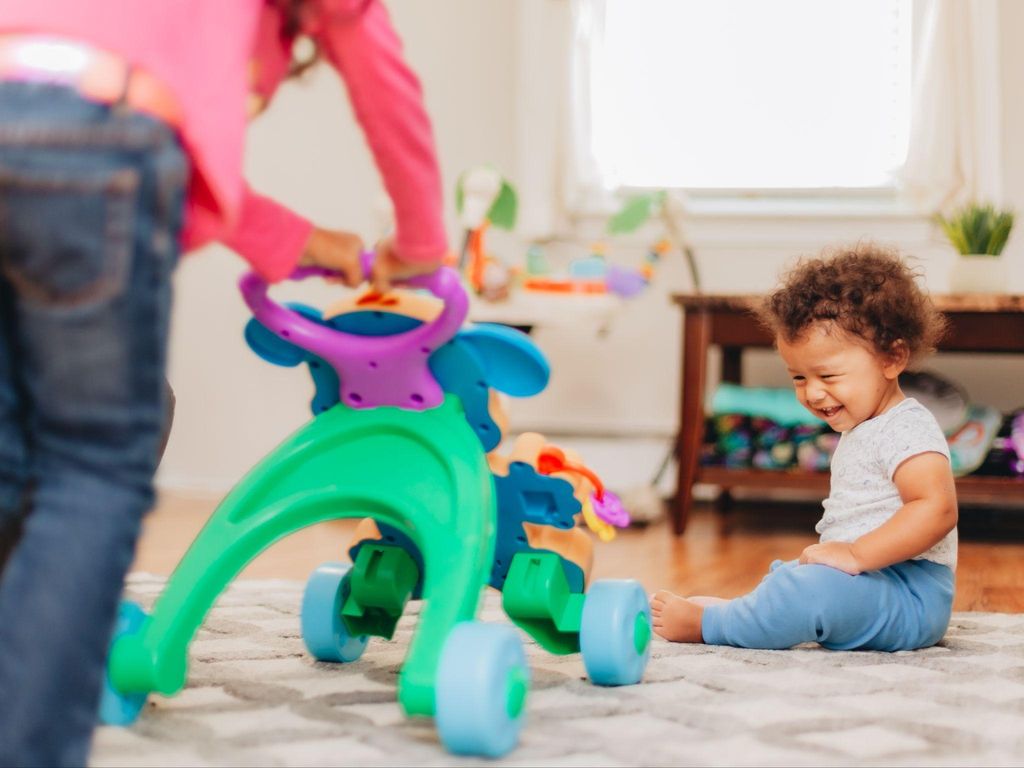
<point x="746" y="94"/>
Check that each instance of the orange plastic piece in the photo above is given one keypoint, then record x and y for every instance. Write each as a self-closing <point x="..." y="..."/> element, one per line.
<point x="377" y="299"/>
<point x="565" y="285"/>
<point x="477" y="259"/>
<point x="400" y="302"/>
<point x="552" y="459"/>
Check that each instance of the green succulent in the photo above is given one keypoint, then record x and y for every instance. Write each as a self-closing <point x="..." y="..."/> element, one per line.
<point x="977" y="229"/>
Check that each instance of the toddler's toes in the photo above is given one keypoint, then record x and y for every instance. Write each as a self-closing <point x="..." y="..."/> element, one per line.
<point x="678" y="620"/>
<point x="660" y="598"/>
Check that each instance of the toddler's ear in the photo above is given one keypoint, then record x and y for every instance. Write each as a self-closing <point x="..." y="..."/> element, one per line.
<point x="897" y="359"/>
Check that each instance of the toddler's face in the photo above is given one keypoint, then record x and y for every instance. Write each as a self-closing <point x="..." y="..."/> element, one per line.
<point x="840" y="378"/>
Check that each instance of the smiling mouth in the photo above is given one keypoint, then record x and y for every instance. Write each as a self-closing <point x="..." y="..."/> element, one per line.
<point x="830" y="412"/>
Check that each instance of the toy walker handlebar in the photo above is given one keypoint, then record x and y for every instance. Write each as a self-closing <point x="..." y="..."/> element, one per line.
<point x="434" y="282"/>
<point x="374" y="370"/>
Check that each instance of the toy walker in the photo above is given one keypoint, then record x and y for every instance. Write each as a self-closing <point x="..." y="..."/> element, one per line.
<point x="403" y="435"/>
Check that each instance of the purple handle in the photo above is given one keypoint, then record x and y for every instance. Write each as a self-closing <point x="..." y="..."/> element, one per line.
<point x="373" y="370"/>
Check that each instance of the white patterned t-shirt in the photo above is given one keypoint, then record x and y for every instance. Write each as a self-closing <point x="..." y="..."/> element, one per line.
<point x="862" y="494"/>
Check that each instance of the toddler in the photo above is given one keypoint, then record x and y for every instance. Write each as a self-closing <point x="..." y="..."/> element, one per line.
<point x="882" y="576"/>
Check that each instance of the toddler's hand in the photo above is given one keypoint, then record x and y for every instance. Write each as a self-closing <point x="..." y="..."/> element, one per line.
<point x="336" y="250"/>
<point x="837" y="554"/>
<point x="388" y="266"/>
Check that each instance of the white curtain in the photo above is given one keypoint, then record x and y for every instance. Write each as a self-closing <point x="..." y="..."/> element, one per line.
<point x="954" y="152"/>
<point x="544" y="31"/>
<point x="557" y="172"/>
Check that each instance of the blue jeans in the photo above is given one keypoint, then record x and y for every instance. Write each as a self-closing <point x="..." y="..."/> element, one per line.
<point x="899" y="608"/>
<point x="91" y="201"/>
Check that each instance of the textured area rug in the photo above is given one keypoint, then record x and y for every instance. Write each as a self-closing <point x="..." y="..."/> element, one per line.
<point x="255" y="698"/>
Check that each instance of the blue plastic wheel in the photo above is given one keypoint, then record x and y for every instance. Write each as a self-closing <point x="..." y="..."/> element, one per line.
<point x="117" y="708"/>
<point x="482" y="682"/>
<point x="615" y="634"/>
<point x="323" y="630"/>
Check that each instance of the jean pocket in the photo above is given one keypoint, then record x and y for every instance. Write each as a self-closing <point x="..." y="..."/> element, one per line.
<point x="172" y="172"/>
<point x="65" y="238"/>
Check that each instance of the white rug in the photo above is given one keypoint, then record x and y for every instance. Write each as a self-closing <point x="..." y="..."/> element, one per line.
<point x="256" y="698"/>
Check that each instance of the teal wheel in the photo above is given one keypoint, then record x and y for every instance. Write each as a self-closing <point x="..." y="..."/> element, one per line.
<point x="482" y="682"/>
<point x="117" y="708"/>
<point x="323" y="630"/>
<point x="615" y="633"/>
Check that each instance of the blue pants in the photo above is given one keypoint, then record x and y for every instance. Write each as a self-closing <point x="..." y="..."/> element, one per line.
<point x="91" y="200"/>
<point x="902" y="607"/>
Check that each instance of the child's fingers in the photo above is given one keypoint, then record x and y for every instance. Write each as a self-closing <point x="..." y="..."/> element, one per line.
<point x="343" y="278"/>
<point x="381" y="284"/>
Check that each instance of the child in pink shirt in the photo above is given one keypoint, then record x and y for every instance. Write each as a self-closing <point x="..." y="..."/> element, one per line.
<point x="121" y="140"/>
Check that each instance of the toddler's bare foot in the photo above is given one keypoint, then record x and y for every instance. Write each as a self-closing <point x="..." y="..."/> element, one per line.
<point x="675" y="618"/>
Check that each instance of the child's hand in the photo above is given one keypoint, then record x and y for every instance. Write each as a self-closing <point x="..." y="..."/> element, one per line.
<point x="837" y="554"/>
<point x="336" y="250"/>
<point x="388" y="266"/>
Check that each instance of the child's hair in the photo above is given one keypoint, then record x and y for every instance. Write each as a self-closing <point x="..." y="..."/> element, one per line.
<point x="865" y="290"/>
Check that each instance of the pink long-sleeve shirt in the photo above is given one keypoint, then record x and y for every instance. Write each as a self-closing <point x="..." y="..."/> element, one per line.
<point x="213" y="54"/>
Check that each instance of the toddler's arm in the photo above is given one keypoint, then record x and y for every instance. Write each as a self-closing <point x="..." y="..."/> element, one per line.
<point x="269" y="236"/>
<point x="357" y="38"/>
<point x="360" y="42"/>
<point x="274" y="240"/>
<point x="929" y="512"/>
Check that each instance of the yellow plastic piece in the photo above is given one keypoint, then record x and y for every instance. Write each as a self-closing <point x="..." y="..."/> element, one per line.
<point x="605" y="531"/>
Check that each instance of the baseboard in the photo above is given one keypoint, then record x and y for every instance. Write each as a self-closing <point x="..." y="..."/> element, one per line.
<point x="596" y="428"/>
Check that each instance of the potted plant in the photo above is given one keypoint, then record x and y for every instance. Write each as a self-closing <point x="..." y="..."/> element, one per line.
<point x="979" y="233"/>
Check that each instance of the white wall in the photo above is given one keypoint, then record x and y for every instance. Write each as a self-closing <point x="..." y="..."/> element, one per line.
<point x="307" y="151"/>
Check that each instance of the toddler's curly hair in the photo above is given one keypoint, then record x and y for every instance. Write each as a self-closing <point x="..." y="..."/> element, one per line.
<point x="865" y="290"/>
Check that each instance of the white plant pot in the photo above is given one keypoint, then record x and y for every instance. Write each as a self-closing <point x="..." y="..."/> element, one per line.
<point x="978" y="273"/>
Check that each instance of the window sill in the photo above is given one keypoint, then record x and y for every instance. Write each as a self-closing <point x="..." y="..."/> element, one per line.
<point x="743" y="218"/>
<point x="802" y="206"/>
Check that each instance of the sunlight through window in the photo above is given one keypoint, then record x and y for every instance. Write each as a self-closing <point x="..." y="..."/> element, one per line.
<point x="748" y="94"/>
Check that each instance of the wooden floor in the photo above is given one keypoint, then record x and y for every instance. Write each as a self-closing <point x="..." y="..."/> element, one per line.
<point x="718" y="555"/>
